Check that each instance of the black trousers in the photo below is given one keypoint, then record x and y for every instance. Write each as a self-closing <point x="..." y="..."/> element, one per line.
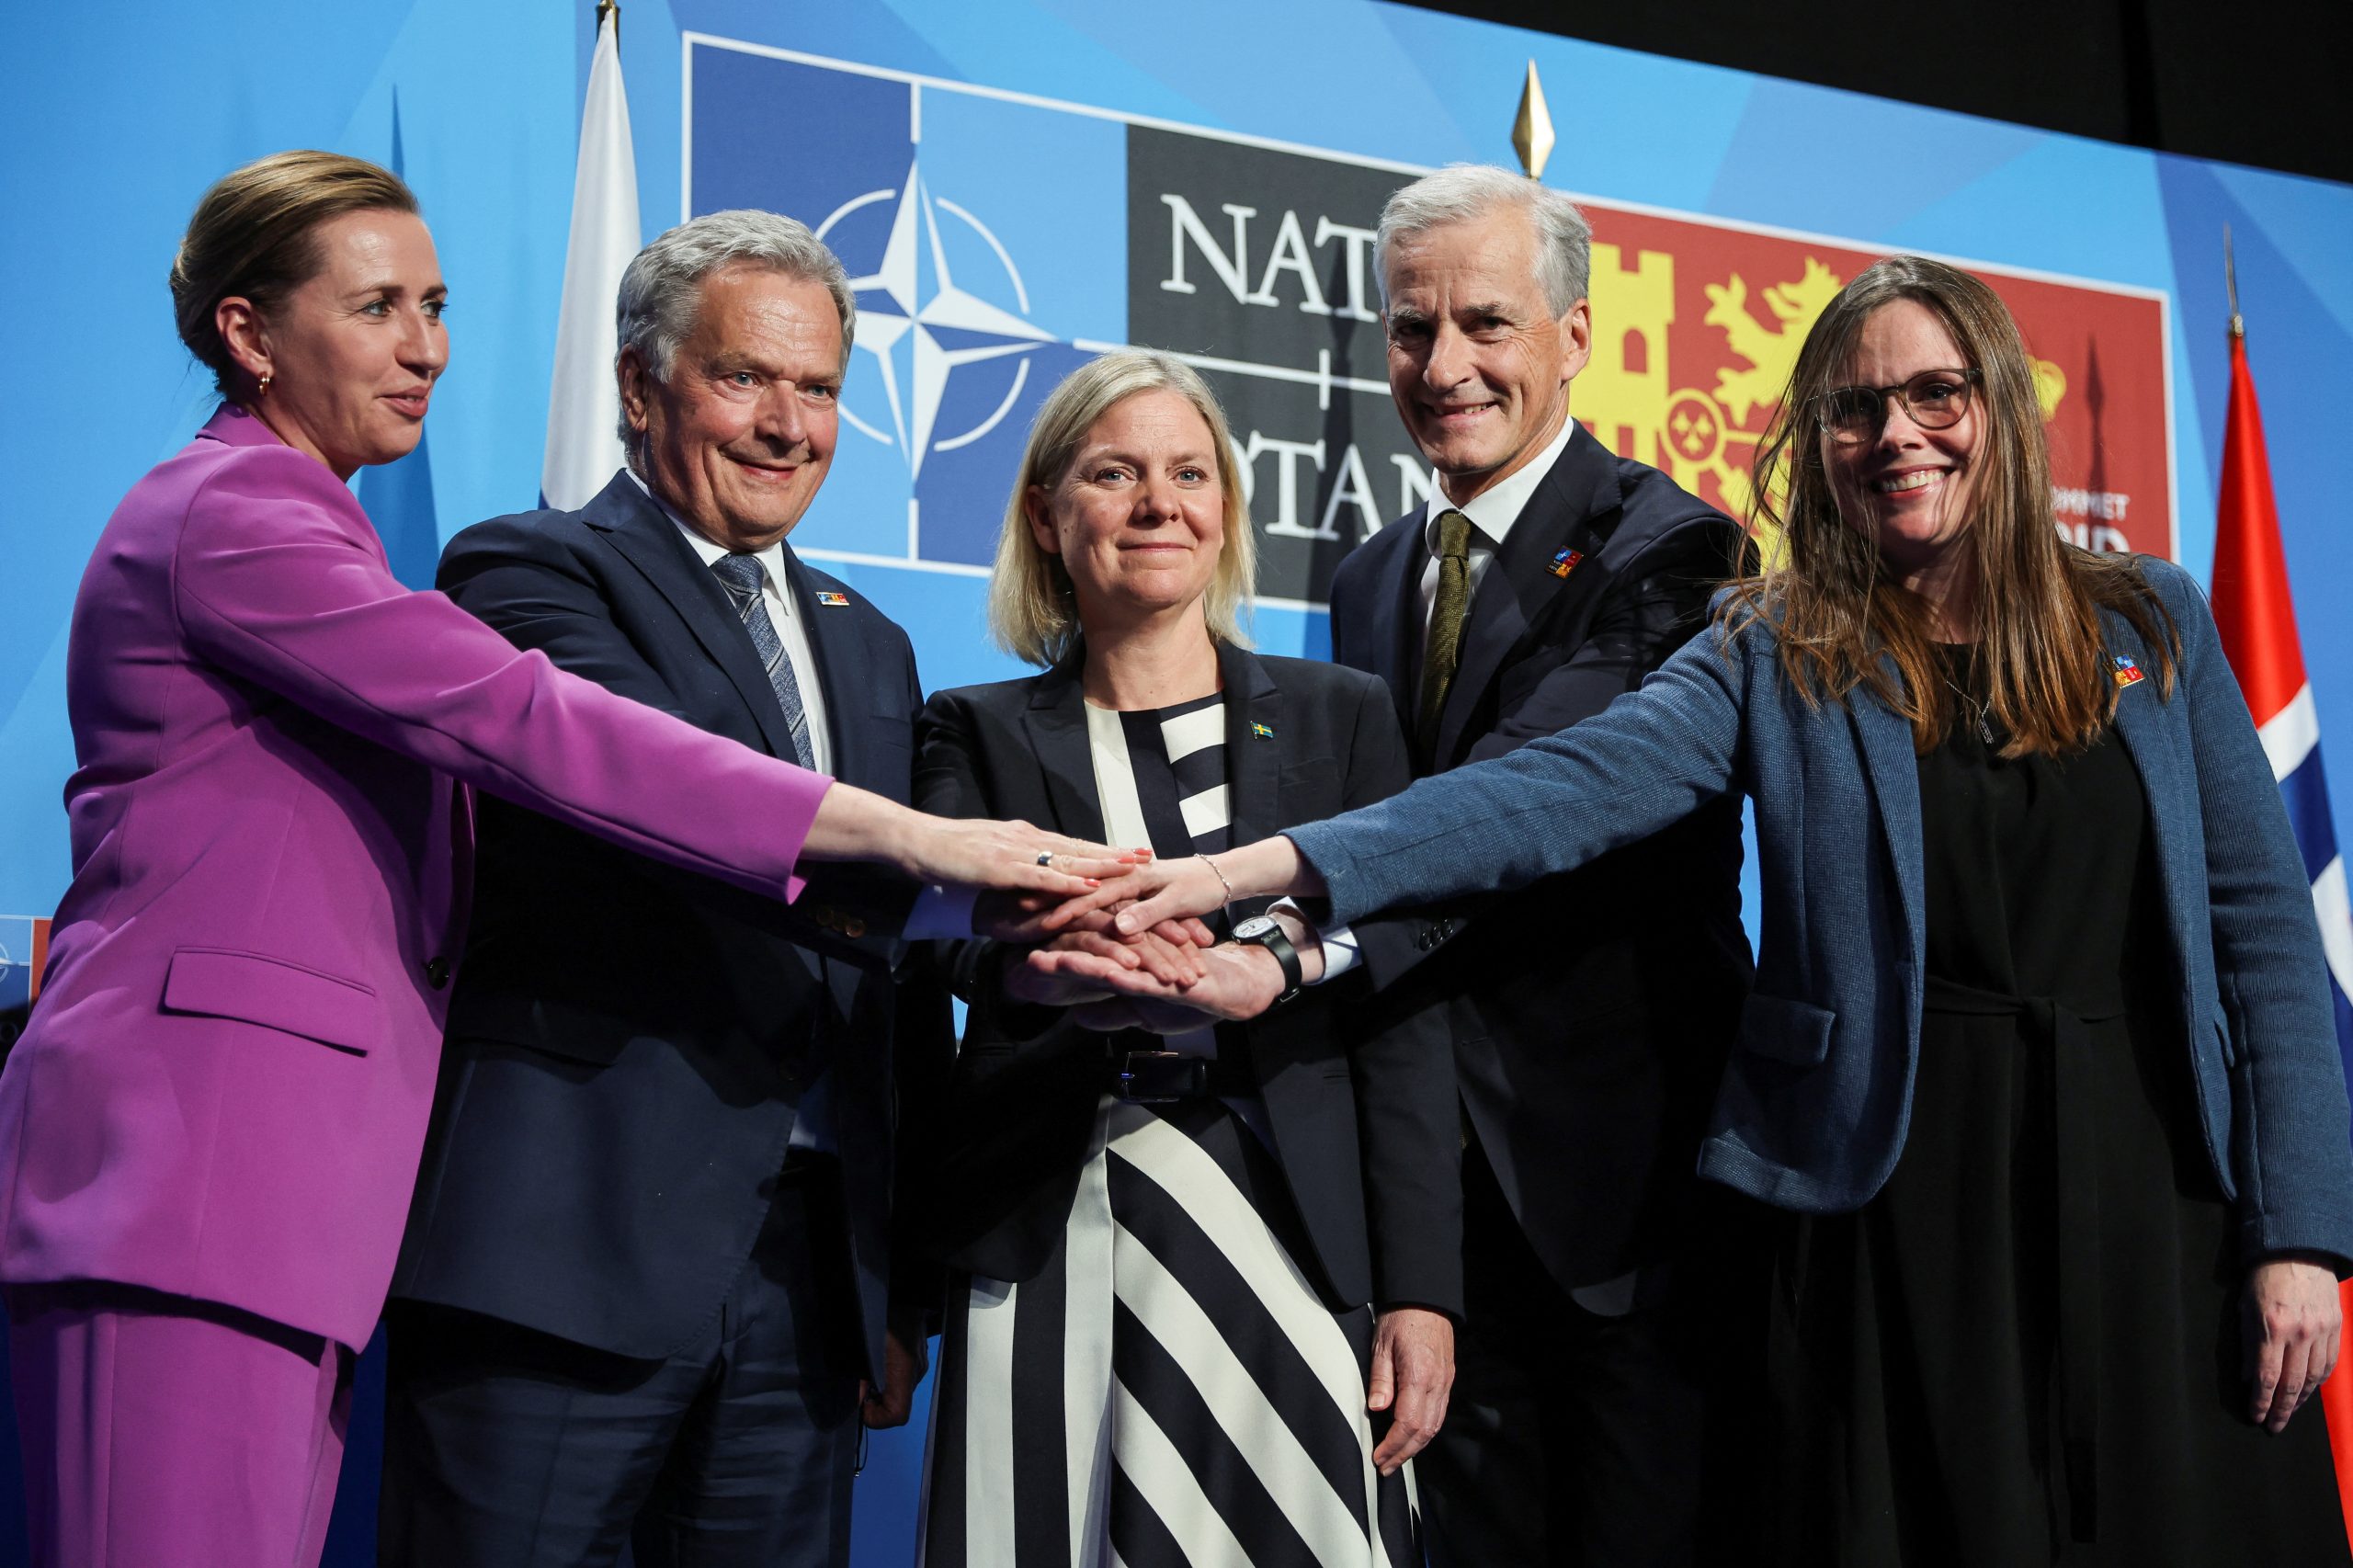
<point x="1579" y="1440"/>
<point x="507" y="1448"/>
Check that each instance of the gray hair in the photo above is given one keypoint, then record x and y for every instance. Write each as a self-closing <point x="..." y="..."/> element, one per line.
<point x="1461" y="193"/>
<point x="661" y="291"/>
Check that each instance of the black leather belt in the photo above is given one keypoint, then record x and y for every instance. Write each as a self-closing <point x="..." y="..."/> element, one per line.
<point x="1155" y="1077"/>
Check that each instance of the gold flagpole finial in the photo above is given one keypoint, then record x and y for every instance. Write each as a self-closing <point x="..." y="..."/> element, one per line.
<point x="2231" y="281"/>
<point x="609" y="8"/>
<point x="1531" y="133"/>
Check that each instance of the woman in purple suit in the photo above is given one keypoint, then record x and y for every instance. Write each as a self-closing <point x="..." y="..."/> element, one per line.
<point x="209" y="1132"/>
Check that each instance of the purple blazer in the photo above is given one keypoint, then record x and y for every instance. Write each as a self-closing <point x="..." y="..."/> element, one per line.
<point x="223" y="1089"/>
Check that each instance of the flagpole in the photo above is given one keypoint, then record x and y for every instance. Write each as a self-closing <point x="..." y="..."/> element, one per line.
<point x="583" y="447"/>
<point x="2231" y="282"/>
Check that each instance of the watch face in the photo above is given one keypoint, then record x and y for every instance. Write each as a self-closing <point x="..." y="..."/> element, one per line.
<point x="1258" y="925"/>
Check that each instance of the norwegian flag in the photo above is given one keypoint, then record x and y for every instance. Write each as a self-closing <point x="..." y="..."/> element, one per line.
<point x="2258" y="628"/>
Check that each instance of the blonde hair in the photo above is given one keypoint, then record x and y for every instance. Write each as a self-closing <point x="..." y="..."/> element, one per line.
<point x="254" y="235"/>
<point x="1032" y="614"/>
<point x="1840" y="616"/>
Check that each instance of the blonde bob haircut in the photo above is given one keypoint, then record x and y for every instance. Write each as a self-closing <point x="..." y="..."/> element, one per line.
<point x="1033" y="614"/>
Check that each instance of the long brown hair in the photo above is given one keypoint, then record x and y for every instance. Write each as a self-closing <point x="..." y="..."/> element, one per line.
<point x="254" y="234"/>
<point x="1841" y="616"/>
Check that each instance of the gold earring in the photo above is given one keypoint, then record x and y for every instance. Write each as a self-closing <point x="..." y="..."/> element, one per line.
<point x="265" y="386"/>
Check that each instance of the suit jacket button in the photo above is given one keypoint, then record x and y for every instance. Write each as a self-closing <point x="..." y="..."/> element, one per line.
<point x="437" y="972"/>
<point x="853" y="927"/>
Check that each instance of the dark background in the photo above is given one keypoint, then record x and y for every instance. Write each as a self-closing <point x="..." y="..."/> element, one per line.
<point x="2261" y="81"/>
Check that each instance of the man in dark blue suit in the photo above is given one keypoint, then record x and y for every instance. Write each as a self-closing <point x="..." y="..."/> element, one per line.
<point x="1592" y="1012"/>
<point x="647" y="1290"/>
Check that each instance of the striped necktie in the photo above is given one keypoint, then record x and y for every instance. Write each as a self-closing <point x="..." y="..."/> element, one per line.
<point x="744" y="577"/>
<point x="1443" y="654"/>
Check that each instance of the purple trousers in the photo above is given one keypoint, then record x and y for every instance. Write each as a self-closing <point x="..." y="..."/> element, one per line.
<point x="160" y="1432"/>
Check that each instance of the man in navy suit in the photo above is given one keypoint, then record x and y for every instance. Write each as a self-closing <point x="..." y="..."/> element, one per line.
<point x="647" y="1291"/>
<point x="1592" y="1012"/>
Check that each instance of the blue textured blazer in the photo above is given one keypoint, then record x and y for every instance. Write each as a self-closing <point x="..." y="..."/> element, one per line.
<point x="1817" y="1101"/>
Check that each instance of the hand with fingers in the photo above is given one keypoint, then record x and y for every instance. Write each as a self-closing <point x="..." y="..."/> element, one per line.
<point x="1236" y="982"/>
<point x="904" y="1351"/>
<point x="1080" y="968"/>
<point x="1196" y="885"/>
<point x="2293" y="1326"/>
<point x="1413" y="1373"/>
<point x="857" y="824"/>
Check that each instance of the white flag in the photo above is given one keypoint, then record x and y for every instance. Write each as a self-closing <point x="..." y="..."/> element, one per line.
<point x="584" y="408"/>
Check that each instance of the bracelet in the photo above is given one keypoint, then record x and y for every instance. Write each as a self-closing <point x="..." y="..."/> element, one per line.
<point x="1211" y="864"/>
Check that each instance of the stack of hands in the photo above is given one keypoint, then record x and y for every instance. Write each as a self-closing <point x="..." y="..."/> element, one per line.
<point x="1128" y="950"/>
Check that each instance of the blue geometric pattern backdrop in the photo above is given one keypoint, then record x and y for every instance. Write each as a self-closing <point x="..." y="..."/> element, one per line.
<point x="1005" y="179"/>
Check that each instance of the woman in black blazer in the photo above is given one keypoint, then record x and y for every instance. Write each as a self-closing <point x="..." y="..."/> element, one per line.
<point x="1191" y="1273"/>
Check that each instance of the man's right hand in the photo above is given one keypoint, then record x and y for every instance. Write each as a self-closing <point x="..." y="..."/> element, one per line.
<point x="1084" y="967"/>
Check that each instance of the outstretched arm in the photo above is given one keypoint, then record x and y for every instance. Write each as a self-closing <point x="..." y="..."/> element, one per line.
<point x="1649" y="759"/>
<point x="279" y="580"/>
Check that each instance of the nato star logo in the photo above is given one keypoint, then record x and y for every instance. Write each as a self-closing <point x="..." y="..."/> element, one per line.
<point x="923" y="327"/>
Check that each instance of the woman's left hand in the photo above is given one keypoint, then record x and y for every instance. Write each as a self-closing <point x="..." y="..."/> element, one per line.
<point x="2292" y="1325"/>
<point x="1413" y="1373"/>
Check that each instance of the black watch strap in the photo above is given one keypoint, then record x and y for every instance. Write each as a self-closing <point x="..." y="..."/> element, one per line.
<point x="1266" y="932"/>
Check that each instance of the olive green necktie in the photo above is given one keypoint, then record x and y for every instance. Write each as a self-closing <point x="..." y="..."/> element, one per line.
<point x="1443" y="652"/>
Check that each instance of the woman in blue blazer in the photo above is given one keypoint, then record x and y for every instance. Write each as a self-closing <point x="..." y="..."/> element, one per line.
<point x="2039" y="1052"/>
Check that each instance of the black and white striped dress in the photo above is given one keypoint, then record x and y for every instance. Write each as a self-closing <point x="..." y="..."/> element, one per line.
<point x="1169" y="1391"/>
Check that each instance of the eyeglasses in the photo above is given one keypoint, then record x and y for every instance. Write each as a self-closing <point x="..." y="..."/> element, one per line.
<point x="1934" y="400"/>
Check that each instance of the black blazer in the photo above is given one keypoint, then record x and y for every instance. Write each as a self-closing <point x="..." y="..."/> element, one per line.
<point x="1360" y="1098"/>
<point x="627" y="1043"/>
<point x="1592" y="1012"/>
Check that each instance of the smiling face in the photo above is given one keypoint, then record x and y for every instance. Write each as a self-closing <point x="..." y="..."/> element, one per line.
<point x="1479" y="364"/>
<point x="1139" y="517"/>
<point x="352" y="353"/>
<point x="1910" y="489"/>
<point x="738" y="438"/>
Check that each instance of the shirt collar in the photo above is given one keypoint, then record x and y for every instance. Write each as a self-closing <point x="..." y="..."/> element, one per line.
<point x="771" y="560"/>
<point x="1493" y="510"/>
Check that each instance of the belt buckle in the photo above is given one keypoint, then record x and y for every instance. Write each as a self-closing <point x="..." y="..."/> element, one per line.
<point x="1160" y="1077"/>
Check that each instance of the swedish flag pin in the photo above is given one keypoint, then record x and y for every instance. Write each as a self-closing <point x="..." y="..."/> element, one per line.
<point x="1261" y="731"/>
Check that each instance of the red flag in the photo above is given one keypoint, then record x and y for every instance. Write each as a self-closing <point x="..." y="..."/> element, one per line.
<point x="2257" y="623"/>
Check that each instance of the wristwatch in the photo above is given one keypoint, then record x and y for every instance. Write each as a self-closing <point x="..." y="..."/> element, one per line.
<point x="1266" y="931"/>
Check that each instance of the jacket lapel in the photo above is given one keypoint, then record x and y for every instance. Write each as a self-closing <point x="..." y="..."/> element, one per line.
<point x="835" y="642"/>
<point x="651" y="543"/>
<point x="1253" y="712"/>
<point x="1056" y="724"/>
<point x="1397" y="657"/>
<point x="1513" y="590"/>
<point x="2140" y="723"/>
<point x="1885" y="741"/>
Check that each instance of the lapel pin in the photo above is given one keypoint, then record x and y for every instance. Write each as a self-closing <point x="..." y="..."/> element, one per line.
<point x="2127" y="672"/>
<point x="834" y="601"/>
<point x="1261" y="731"/>
<point x="1565" y="563"/>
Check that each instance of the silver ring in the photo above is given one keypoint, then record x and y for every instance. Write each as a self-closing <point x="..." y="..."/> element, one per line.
<point x="1045" y="857"/>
